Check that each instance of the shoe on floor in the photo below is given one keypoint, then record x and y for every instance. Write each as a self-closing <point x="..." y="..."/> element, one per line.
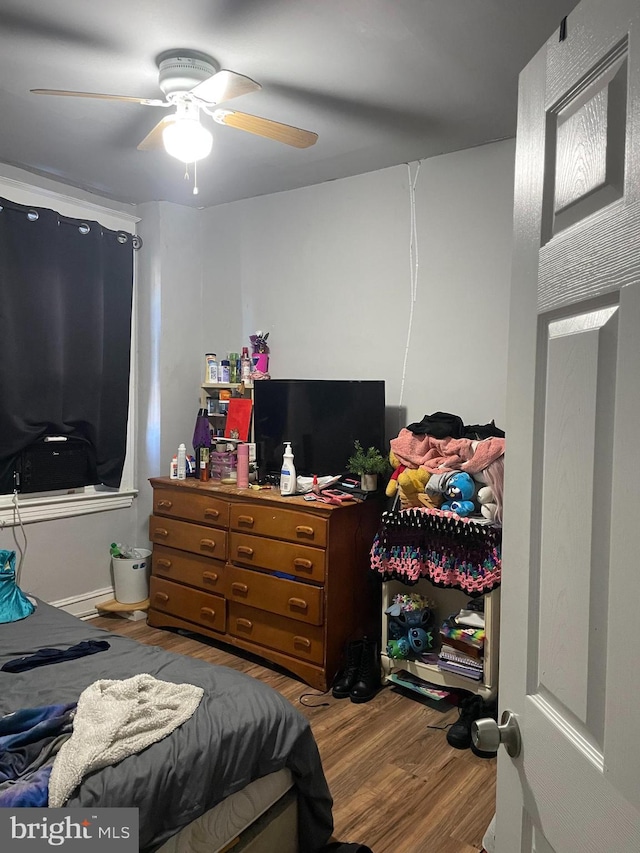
<point x="470" y="708"/>
<point x="344" y="684"/>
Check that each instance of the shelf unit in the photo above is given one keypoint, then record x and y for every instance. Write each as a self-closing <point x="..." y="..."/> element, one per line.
<point x="447" y="602"/>
<point x="211" y="391"/>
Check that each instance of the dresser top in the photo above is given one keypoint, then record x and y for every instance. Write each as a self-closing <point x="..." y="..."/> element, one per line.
<point x="268" y="496"/>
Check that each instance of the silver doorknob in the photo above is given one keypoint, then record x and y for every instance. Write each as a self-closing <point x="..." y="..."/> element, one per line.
<point x="487" y="735"/>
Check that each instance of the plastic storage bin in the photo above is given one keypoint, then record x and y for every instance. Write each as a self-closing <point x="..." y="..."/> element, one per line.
<point x="223" y="464"/>
<point x="131" y="577"/>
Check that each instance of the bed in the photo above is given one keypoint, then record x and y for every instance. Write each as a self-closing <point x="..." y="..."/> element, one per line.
<point x="245" y="758"/>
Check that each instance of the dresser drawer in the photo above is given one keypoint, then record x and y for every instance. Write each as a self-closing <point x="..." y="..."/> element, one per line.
<point x="191" y="569"/>
<point x="290" y="524"/>
<point x="300" y="560"/>
<point x="295" y="600"/>
<point x="208" y="541"/>
<point x="276" y="632"/>
<point x="187" y="603"/>
<point x="207" y="509"/>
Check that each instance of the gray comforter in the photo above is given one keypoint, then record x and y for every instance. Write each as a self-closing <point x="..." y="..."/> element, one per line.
<point x="242" y="730"/>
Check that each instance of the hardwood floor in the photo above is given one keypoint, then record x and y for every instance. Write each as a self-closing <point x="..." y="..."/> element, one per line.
<point x="397" y="785"/>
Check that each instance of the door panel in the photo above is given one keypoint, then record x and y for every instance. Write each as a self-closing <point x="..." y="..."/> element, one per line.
<point x="575" y="506"/>
<point x="572" y="474"/>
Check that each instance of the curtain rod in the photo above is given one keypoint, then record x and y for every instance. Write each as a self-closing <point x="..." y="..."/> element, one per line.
<point x="83" y="226"/>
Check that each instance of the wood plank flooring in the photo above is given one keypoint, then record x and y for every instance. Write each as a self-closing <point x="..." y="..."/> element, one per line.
<point x="397" y="785"/>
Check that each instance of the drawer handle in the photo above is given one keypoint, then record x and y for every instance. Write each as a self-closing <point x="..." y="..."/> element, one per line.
<point x="240" y="588"/>
<point x="160" y="531"/>
<point x="210" y="576"/>
<point x="244" y="549"/>
<point x="300" y="563"/>
<point x="302" y="641"/>
<point x="166" y="564"/>
<point x="207" y="543"/>
<point x="244" y="623"/>
<point x="161" y="596"/>
<point x="165" y="504"/>
<point x="300" y="603"/>
<point x="246" y="519"/>
<point x="211" y="513"/>
<point x="208" y="611"/>
<point x="304" y="530"/>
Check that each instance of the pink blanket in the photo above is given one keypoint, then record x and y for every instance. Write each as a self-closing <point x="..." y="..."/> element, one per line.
<point x="445" y="454"/>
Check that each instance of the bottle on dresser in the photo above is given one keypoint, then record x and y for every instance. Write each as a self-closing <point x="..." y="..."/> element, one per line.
<point x="211" y="368"/>
<point x="245" y="366"/>
<point x="288" y="472"/>
<point x="182" y="462"/>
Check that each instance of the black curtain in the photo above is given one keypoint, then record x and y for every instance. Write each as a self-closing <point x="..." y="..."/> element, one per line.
<point x="66" y="288"/>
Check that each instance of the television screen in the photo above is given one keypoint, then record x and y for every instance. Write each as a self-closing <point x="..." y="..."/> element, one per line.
<point x="321" y="418"/>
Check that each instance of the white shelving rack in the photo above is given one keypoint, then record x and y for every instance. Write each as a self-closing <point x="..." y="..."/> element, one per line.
<point x="447" y="601"/>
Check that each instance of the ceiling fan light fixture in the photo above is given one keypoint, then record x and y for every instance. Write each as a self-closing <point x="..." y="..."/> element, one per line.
<point x="187" y="140"/>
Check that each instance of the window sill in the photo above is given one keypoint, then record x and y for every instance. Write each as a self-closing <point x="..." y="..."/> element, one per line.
<point x="47" y="507"/>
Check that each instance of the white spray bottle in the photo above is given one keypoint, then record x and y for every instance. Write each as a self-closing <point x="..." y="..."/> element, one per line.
<point x="182" y="462"/>
<point x="288" y="472"/>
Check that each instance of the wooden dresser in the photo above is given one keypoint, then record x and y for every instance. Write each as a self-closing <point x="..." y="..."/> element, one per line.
<point x="284" y="578"/>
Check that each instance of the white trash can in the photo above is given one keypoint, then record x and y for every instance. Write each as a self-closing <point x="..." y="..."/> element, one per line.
<point x="131" y="577"/>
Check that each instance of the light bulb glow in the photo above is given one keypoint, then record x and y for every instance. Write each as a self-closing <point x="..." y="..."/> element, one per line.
<point x="187" y="140"/>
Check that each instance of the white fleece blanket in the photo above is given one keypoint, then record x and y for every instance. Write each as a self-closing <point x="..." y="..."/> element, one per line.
<point x="114" y="719"/>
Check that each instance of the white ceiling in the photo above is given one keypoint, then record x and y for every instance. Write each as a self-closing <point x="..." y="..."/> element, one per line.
<point x="382" y="82"/>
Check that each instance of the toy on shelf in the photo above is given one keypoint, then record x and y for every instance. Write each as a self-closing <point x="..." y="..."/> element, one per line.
<point x="411" y="616"/>
<point x="410" y="484"/>
<point x="260" y="356"/>
<point x="458" y="490"/>
<point x="486" y="497"/>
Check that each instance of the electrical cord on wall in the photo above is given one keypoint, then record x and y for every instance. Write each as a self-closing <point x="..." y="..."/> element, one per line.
<point x="21" y="550"/>
<point x="414" y="265"/>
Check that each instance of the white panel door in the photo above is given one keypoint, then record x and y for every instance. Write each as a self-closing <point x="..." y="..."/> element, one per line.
<point x="570" y="661"/>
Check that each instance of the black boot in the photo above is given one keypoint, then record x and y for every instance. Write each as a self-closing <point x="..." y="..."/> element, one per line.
<point x="368" y="679"/>
<point x="342" y="686"/>
<point x="470" y="708"/>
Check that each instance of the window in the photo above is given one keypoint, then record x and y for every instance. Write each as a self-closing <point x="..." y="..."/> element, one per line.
<point x="89" y="498"/>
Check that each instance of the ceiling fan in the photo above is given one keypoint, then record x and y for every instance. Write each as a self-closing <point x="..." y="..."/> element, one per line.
<point x="192" y="83"/>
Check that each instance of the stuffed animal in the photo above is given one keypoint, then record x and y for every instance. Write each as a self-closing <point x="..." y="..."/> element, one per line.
<point x="409" y="619"/>
<point x="409" y="484"/>
<point x="458" y="489"/>
<point x="485" y="497"/>
<point x="398" y="468"/>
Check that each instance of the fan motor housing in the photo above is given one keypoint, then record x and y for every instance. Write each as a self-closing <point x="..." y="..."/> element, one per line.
<point x="181" y="70"/>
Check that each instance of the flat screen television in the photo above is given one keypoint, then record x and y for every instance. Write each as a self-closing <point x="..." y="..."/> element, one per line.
<point x="321" y="418"/>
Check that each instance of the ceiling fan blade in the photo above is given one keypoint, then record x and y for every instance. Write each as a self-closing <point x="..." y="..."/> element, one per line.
<point x="153" y="139"/>
<point x="147" y="101"/>
<point x="266" y="127"/>
<point x="223" y="86"/>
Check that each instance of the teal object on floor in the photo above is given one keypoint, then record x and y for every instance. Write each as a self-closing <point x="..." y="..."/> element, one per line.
<point x="14" y="604"/>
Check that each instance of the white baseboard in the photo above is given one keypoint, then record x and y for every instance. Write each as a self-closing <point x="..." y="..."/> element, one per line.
<point x="84" y="606"/>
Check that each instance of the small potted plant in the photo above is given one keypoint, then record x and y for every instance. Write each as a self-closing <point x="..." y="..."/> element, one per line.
<point x="368" y="463"/>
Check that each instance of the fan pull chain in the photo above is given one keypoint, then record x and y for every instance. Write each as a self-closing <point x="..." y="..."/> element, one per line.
<point x="187" y="176"/>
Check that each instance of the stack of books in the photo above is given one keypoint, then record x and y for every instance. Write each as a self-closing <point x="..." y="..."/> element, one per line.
<point x="453" y="660"/>
<point x="462" y="636"/>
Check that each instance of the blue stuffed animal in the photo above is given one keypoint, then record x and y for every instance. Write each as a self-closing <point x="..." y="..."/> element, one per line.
<point x="408" y="634"/>
<point x="459" y="490"/>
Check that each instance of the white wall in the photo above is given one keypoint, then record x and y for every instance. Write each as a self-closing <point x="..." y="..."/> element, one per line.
<point x="171" y="361"/>
<point x="326" y="271"/>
